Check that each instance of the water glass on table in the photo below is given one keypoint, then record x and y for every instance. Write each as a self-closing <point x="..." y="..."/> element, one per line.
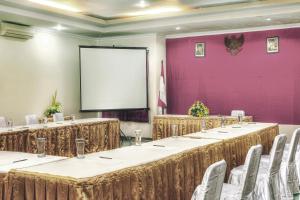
<point x="73" y="118"/>
<point x="174" y="129"/>
<point x="138" y="137"/>
<point x="240" y="118"/>
<point x="45" y="122"/>
<point x="80" y="144"/>
<point x="41" y="147"/>
<point x="10" y="124"/>
<point x="222" y="121"/>
<point x="203" y="125"/>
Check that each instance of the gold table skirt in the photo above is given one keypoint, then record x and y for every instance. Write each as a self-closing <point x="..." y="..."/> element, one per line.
<point x="60" y="141"/>
<point x="187" y="124"/>
<point x="174" y="177"/>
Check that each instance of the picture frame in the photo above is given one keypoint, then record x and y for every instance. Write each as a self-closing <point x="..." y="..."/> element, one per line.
<point x="200" y="49"/>
<point x="273" y="44"/>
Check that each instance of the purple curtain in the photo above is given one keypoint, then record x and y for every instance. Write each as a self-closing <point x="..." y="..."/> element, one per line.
<point x="128" y="115"/>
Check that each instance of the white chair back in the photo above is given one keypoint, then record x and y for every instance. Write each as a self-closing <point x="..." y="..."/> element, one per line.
<point x="58" y="117"/>
<point x="236" y="113"/>
<point x="251" y="166"/>
<point x="293" y="146"/>
<point x="2" y="122"/>
<point x="212" y="182"/>
<point x="276" y="154"/>
<point x="31" y="119"/>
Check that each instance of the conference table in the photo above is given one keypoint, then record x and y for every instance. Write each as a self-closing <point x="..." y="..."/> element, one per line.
<point x="169" y="168"/>
<point x="99" y="134"/>
<point x="15" y="160"/>
<point x="188" y="124"/>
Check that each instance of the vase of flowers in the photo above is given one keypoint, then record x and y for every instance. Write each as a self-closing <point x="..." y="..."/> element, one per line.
<point x="198" y="109"/>
<point x="54" y="107"/>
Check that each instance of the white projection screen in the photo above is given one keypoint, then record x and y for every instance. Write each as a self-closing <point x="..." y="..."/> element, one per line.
<point x="113" y="78"/>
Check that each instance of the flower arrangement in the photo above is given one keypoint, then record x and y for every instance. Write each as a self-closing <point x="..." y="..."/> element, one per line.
<point x="54" y="107"/>
<point x="198" y="109"/>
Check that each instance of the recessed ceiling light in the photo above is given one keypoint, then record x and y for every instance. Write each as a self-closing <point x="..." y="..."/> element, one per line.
<point x="156" y="11"/>
<point x="56" y="5"/>
<point x="268" y="19"/>
<point x="142" y="4"/>
<point x="178" y="28"/>
<point x="59" y="27"/>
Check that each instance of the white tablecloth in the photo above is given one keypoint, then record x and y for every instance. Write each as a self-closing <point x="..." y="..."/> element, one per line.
<point x="231" y="131"/>
<point x="94" y="165"/>
<point x="8" y="160"/>
<point x="125" y="157"/>
<point x="54" y="124"/>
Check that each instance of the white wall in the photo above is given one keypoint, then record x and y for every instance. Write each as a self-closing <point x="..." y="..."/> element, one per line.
<point x="156" y="46"/>
<point x="31" y="71"/>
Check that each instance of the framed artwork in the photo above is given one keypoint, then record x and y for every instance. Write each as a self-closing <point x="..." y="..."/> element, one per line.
<point x="200" y="49"/>
<point x="273" y="44"/>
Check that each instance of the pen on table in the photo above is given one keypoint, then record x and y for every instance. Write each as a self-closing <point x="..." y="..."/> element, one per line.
<point x="19" y="160"/>
<point x="104" y="157"/>
<point x="158" y="145"/>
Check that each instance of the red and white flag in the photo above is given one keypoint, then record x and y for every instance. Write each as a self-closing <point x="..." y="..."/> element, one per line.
<point x="162" y="97"/>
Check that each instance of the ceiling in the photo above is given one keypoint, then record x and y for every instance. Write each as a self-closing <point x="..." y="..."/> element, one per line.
<point x="98" y="18"/>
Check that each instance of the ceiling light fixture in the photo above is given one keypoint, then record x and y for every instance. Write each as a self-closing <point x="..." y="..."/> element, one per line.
<point x="155" y="11"/>
<point x="59" y="27"/>
<point x="142" y="4"/>
<point x="268" y="19"/>
<point x="55" y="5"/>
<point x="178" y="28"/>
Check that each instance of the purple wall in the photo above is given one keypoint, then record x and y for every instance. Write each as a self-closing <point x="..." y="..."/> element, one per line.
<point x="266" y="86"/>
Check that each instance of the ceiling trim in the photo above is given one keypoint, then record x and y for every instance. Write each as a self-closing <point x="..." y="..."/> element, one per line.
<point x="48" y="18"/>
<point x="227" y="31"/>
<point x="197" y="19"/>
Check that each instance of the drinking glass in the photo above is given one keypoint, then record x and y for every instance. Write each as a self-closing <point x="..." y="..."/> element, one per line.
<point x="10" y="124"/>
<point x="73" y="117"/>
<point x="240" y="118"/>
<point x="138" y="137"/>
<point x="174" y="129"/>
<point x="222" y="121"/>
<point x="41" y="147"/>
<point x="80" y="143"/>
<point x="45" y="121"/>
<point x="203" y="125"/>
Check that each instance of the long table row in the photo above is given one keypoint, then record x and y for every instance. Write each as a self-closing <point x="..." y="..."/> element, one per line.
<point x="189" y="124"/>
<point x="99" y="134"/>
<point x="170" y="168"/>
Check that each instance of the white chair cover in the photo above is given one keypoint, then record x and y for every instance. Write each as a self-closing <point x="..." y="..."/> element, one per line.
<point x="2" y="122"/>
<point x="58" y="117"/>
<point x="31" y="119"/>
<point x="212" y="182"/>
<point x="289" y="178"/>
<point x="245" y="191"/>
<point x="267" y="184"/>
<point x="236" y="113"/>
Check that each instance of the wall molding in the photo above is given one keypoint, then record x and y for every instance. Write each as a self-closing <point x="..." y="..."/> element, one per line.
<point x="239" y="30"/>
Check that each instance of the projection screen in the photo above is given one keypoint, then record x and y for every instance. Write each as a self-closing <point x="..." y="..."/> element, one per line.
<point x="113" y="78"/>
